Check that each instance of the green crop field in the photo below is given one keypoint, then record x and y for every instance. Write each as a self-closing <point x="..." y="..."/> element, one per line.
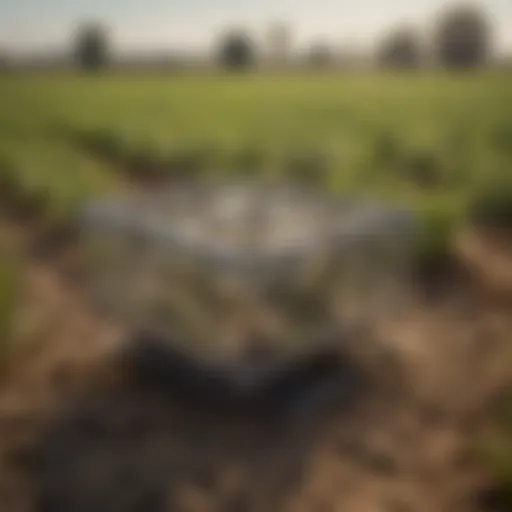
<point x="429" y="141"/>
<point x="440" y="144"/>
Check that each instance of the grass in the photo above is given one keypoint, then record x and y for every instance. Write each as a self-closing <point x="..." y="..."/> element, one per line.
<point x="427" y="141"/>
<point x="494" y="450"/>
<point x="440" y="144"/>
<point x="8" y="293"/>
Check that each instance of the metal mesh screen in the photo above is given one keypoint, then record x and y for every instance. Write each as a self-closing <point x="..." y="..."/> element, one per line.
<point x="227" y="268"/>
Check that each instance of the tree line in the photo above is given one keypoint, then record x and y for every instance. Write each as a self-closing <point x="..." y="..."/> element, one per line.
<point x="461" y="38"/>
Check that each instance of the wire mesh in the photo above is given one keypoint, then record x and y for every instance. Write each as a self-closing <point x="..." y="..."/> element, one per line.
<point x="236" y="268"/>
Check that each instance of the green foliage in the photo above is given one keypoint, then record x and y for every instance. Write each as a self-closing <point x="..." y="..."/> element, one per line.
<point x="307" y="166"/>
<point x="490" y="205"/>
<point x="463" y="37"/>
<point x="236" y="51"/>
<point x="106" y="143"/>
<point x="409" y="138"/>
<point x="400" y="49"/>
<point x="248" y="160"/>
<point x="494" y="450"/>
<point x="8" y="294"/>
<point x="423" y="168"/>
<point x="48" y="180"/>
<point x="438" y="225"/>
<point x="92" y="47"/>
<point x="320" y="55"/>
<point x="191" y="160"/>
<point x="501" y="136"/>
<point x="386" y="148"/>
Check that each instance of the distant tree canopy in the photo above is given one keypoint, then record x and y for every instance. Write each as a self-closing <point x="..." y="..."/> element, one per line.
<point x="236" y="51"/>
<point x="320" y="55"/>
<point x="92" y="46"/>
<point x="400" y="49"/>
<point x="4" y="59"/>
<point x="463" y="37"/>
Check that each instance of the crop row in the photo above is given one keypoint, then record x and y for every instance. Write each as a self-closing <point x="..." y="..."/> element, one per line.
<point x="439" y="145"/>
<point x="47" y="180"/>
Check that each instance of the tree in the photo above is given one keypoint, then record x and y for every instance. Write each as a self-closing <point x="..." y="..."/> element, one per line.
<point x="91" y="51"/>
<point x="462" y="37"/>
<point x="320" y="55"/>
<point x="236" y="51"/>
<point x="4" y="59"/>
<point x="400" y="49"/>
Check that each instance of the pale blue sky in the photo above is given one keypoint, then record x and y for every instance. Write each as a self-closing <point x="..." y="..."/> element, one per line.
<point x="27" y="25"/>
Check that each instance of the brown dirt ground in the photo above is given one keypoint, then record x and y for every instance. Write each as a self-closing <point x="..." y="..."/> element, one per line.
<point x="408" y="446"/>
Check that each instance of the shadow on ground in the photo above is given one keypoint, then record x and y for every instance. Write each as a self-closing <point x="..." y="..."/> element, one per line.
<point x="170" y="436"/>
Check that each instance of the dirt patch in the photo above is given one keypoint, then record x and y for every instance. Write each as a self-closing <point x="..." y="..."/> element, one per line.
<point x="79" y="431"/>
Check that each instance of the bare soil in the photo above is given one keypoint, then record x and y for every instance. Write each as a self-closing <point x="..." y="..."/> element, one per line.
<point x="79" y="432"/>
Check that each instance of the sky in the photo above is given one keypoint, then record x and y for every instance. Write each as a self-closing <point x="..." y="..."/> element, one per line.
<point x="35" y="25"/>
